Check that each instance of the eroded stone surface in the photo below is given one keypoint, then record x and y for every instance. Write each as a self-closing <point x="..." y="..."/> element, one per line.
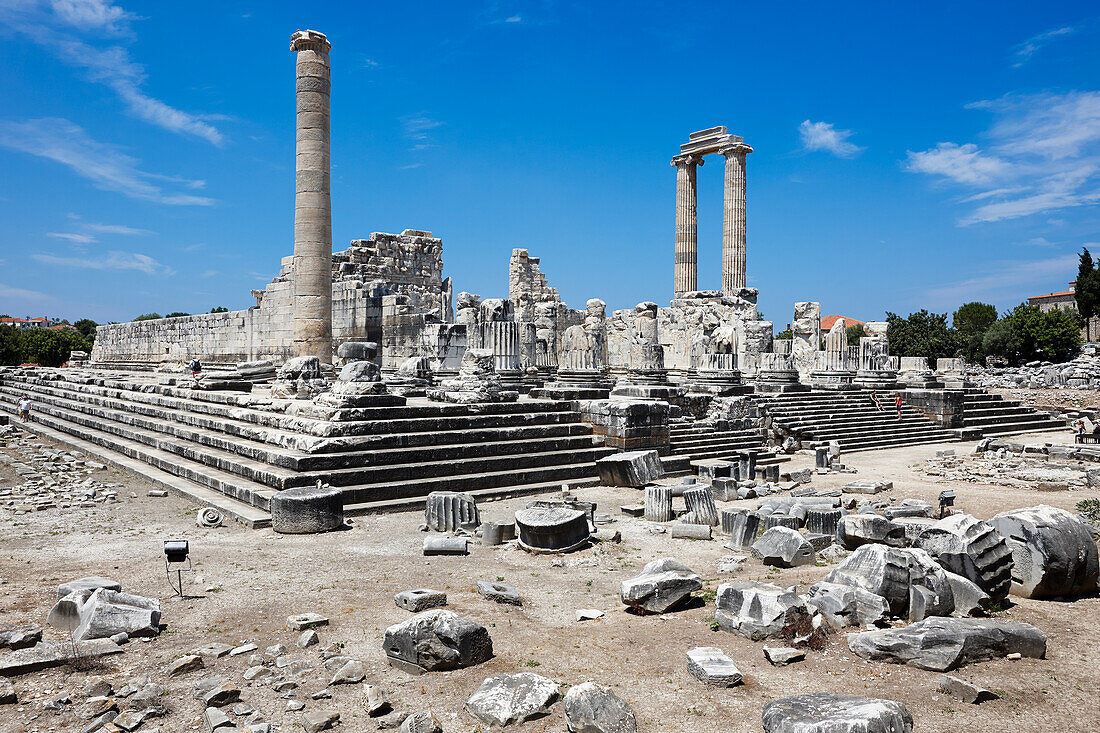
<point x="824" y="712"/>
<point x="944" y="644"/>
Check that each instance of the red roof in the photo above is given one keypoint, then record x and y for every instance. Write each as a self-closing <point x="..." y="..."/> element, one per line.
<point x="828" y="321"/>
<point x="1053" y="295"/>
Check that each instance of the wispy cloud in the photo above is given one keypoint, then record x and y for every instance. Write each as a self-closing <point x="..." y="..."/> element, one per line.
<point x="117" y="229"/>
<point x="417" y="128"/>
<point x="113" y="261"/>
<point x="58" y="26"/>
<point x="106" y="166"/>
<point x="822" y="136"/>
<point x="72" y="237"/>
<point x="209" y="273"/>
<point x="1042" y="155"/>
<point x="513" y="19"/>
<point x="1031" y="46"/>
<point x="7" y="291"/>
<point x="1003" y="282"/>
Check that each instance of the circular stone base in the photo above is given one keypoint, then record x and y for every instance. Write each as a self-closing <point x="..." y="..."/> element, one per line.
<point x="307" y="510"/>
<point x="552" y="529"/>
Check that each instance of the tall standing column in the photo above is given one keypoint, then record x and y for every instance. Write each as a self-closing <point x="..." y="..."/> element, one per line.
<point x="312" y="205"/>
<point x="685" y="276"/>
<point x="733" y="218"/>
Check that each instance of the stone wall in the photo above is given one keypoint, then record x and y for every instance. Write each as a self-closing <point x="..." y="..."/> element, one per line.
<point x="525" y="279"/>
<point x="410" y="264"/>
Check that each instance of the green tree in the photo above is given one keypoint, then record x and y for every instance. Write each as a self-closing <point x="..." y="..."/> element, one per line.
<point x="11" y="347"/>
<point x="148" y="317"/>
<point x="973" y="318"/>
<point x="1028" y="333"/>
<point x="86" y="327"/>
<point x="219" y="309"/>
<point x="855" y="333"/>
<point x="1087" y="289"/>
<point x="177" y="314"/>
<point x="921" y="334"/>
<point x="784" y="335"/>
<point x="50" y="348"/>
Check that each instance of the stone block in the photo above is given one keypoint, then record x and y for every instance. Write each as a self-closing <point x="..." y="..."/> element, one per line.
<point x="713" y="667"/>
<point x="420" y="599"/>
<point x="633" y="468"/>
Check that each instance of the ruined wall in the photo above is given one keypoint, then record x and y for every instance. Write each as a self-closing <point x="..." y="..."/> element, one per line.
<point x="409" y="263"/>
<point x="525" y="279"/>
<point x="699" y="313"/>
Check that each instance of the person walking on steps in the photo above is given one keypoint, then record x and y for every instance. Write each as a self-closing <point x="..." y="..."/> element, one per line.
<point x="196" y="368"/>
<point x="897" y="403"/>
<point x="25" y="408"/>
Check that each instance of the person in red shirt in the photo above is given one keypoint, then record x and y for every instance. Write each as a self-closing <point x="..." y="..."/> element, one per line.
<point x="897" y="403"/>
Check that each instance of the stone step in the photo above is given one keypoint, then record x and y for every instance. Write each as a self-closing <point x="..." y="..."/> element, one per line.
<point x="413" y="503"/>
<point x="995" y="411"/>
<point x="1018" y="425"/>
<point x="248" y="515"/>
<point x="865" y="445"/>
<point x="730" y="443"/>
<point x="871" y="431"/>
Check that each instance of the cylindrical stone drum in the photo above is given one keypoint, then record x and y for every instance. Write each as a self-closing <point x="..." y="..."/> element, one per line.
<point x="552" y="529"/>
<point x="497" y="533"/>
<point x="307" y="510"/>
<point x="658" y="503"/>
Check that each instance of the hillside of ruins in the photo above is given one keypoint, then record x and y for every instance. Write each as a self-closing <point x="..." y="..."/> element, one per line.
<point x="375" y="500"/>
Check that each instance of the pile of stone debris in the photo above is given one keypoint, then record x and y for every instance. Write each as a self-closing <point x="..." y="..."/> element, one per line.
<point x="1002" y="463"/>
<point x="52" y="478"/>
<point x="1082" y="372"/>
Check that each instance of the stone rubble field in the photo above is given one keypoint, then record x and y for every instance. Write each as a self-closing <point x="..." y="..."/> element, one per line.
<point x="903" y="623"/>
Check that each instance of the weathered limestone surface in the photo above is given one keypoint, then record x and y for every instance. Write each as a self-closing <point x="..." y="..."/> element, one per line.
<point x="1052" y="551"/>
<point x="662" y="586"/>
<point x="687" y="230"/>
<point x="760" y="610"/>
<point x="734" y="225"/>
<point x="437" y="640"/>
<point x="312" y="204"/>
<point x="944" y="644"/>
<point x="825" y="712"/>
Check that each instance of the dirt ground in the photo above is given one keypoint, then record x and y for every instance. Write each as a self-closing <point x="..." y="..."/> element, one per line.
<point x="247" y="582"/>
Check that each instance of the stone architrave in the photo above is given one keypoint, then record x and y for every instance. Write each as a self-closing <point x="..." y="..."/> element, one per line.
<point x="687" y="231"/>
<point x="312" y="205"/>
<point x="734" y="228"/>
<point x="806" y="339"/>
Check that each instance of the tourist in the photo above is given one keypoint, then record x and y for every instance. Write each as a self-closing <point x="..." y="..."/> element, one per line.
<point x="897" y="403"/>
<point x="196" y="368"/>
<point x="875" y="400"/>
<point x="25" y="408"/>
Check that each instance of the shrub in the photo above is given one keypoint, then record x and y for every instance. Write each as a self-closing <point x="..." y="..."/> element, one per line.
<point x="51" y="348"/>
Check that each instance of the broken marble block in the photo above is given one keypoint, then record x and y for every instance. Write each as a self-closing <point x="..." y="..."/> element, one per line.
<point x="783" y="548"/>
<point x="499" y="593"/>
<point x="912" y="583"/>
<point x="592" y="708"/>
<point x="844" y="605"/>
<point x="552" y="529"/>
<point x="446" y="546"/>
<point x="781" y="656"/>
<point x="88" y="584"/>
<point x="700" y="507"/>
<point x="1053" y="553"/>
<point x="742" y="526"/>
<point x="658" y="503"/>
<point x="821" y="520"/>
<point x="711" y="666"/>
<point x="447" y="511"/>
<point x="964" y="691"/>
<point x="106" y="613"/>
<point x="825" y="712"/>
<point x="867" y="486"/>
<point x="307" y="510"/>
<point x="662" y="586"/>
<point x="969" y="547"/>
<point x="633" y="469"/>
<point x="760" y="610"/>
<point x="420" y="599"/>
<point x="856" y="530"/>
<point x="436" y="640"/>
<point x="507" y="699"/>
<point x="944" y="644"/>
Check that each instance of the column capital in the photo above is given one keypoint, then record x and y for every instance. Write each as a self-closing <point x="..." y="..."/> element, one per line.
<point x="308" y="40"/>
<point x="738" y="148"/>
<point x="687" y="159"/>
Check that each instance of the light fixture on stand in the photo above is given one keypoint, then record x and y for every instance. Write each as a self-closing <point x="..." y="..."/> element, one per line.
<point x="175" y="555"/>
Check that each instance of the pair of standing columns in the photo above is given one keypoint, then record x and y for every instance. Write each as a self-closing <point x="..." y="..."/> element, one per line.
<point x="733" y="220"/>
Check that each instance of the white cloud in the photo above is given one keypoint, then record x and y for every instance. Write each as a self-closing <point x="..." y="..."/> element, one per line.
<point x="72" y="237"/>
<point x="1028" y="48"/>
<point x="960" y="163"/>
<point x="7" y="291"/>
<point x="418" y="128"/>
<point x="113" y="261"/>
<point x="116" y="229"/>
<point x="1042" y="155"/>
<point x="823" y="136"/>
<point x="106" y="166"/>
<point x="59" y="32"/>
<point x="1004" y="282"/>
<point x="209" y="273"/>
<point x="513" y="19"/>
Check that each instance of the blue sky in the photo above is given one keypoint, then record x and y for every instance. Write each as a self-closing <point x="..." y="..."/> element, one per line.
<point x="906" y="156"/>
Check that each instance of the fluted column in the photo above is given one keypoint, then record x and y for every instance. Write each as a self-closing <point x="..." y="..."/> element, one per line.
<point x="733" y="218"/>
<point x="687" y="230"/>
<point x="312" y="205"/>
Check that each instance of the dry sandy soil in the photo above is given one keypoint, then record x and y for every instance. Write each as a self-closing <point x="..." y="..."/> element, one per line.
<point x="247" y="582"/>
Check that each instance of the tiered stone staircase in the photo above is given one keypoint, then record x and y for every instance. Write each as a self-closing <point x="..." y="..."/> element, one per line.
<point x="223" y="450"/>
<point x="692" y="441"/>
<point x="849" y="418"/>
<point x="992" y="414"/>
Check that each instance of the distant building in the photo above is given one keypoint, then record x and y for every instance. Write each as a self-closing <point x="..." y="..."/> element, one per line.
<point x="25" y="323"/>
<point x="1065" y="300"/>
<point x="828" y="321"/>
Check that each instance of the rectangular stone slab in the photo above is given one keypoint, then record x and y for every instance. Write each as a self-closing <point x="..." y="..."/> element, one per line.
<point x="46" y="655"/>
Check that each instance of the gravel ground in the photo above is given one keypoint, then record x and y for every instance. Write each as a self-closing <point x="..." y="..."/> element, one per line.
<point x="247" y="582"/>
